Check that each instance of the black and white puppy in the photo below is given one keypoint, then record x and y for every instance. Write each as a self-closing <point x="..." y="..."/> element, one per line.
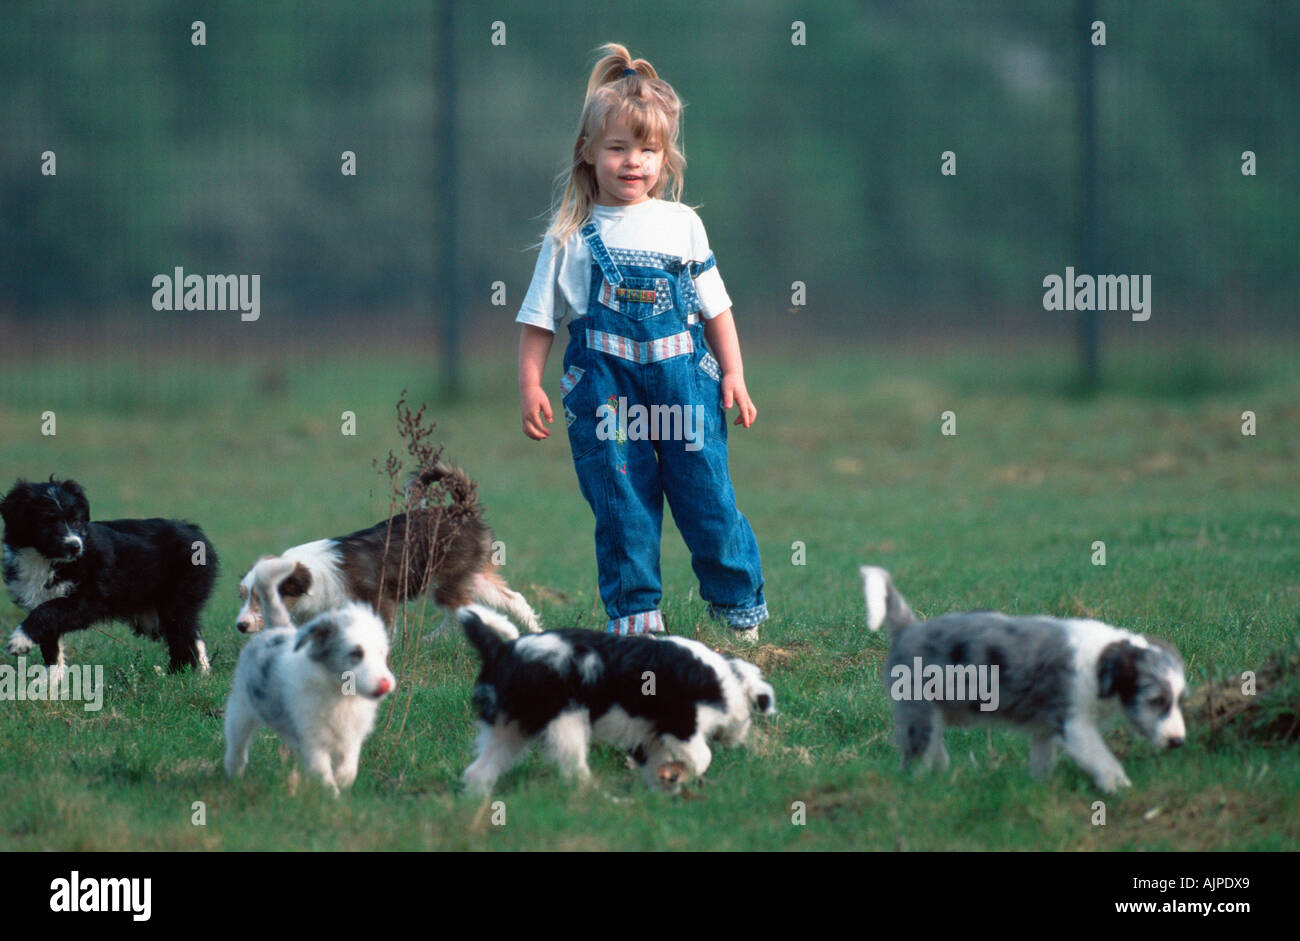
<point x="661" y="698"/>
<point x="1052" y="677"/>
<point x="68" y="573"/>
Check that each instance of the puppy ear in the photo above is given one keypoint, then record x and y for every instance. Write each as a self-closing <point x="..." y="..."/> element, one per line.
<point x="1117" y="670"/>
<point x="757" y="690"/>
<point x="272" y="570"/>
<point x="73" y="488"/>
<point x="296" y="585"/>
<point x="318" y="632"/>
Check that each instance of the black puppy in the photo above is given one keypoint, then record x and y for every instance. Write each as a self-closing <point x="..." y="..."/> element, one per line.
<point x="69" y="573"/>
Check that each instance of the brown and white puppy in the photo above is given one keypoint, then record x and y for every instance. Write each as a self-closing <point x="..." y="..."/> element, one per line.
<point x="430" y="549"/>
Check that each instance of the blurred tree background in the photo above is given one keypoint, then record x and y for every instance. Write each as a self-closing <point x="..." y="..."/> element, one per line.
<point x="817" y="163"/>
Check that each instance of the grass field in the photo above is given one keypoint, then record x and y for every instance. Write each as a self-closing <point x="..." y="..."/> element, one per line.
<point x="1200" y="526"/>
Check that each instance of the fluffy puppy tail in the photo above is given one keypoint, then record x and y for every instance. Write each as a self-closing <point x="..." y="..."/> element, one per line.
<point x="487" y="630"/>
<point x="885" y="606"/>
<point x="457" y="483"/>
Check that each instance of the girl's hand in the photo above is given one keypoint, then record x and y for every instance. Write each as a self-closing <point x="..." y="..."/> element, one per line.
<point x="534" y="345"/>
<point x="735" y="393"/>
<point x="536" y="406"/>
<point x="721" y="334"/>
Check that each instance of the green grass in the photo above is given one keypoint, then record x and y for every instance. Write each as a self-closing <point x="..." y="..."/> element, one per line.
<point x="1199" y="522"/>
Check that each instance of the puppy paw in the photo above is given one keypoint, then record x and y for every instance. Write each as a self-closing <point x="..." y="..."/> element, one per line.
<point x="1113" y="781"/>
<point x="19" y="643"/>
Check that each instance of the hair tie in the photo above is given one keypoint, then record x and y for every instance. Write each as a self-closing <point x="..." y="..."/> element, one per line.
<point x="626" y="72"/>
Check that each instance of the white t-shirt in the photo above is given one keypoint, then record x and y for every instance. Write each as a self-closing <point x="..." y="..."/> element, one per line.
<point x="562" y="279"/>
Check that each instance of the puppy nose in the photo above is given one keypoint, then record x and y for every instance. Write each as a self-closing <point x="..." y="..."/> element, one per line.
<point x="671" y="773"/>
<point x="73" y="543"/>
<point x="243" y="626"/>
<point x="383" y="687"/>
<point x="1175" y="743"/>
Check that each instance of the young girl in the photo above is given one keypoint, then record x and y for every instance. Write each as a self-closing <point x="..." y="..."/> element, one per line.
<point x="634" y="275"/>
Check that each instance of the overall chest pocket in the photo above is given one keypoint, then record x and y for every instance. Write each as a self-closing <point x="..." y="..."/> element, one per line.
<point x="638" y="298"/>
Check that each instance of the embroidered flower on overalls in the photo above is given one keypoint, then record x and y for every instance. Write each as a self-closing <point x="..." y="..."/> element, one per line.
<point x="620" y="437"/>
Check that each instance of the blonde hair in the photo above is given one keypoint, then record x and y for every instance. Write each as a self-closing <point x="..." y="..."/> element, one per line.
<point x="650" y="109"/>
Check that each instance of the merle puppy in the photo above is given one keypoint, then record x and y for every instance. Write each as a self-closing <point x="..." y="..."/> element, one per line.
<point x="69" y="573"/>
<point x="1053" y="678"/>
<point x="317" y="686"/>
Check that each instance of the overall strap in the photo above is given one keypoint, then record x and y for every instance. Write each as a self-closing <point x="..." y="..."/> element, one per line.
<point x="698" y="268"/>
<point x="601" y="254"/>
<point x="689" y="296"/>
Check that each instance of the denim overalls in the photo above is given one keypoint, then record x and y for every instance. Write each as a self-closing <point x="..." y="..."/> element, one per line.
<point x="643" y="405"/>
